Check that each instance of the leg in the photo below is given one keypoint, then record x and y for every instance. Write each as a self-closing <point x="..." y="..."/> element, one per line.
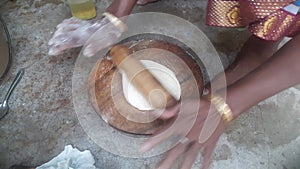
<point x="254" y="53"/>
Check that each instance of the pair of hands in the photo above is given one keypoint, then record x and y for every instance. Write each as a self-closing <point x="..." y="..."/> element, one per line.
<point x="74" y="32"/>
<point x="206" y="124"/>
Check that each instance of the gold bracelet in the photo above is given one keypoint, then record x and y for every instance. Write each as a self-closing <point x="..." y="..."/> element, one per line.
<point x="222" y="107"/>
<point x="116" y="21"/>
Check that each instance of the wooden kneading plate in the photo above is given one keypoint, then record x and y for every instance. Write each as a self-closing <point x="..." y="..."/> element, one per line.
<point x="105" y="84"/>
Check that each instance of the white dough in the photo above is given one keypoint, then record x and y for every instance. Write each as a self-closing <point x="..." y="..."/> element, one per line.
<point x="163" y="74"/>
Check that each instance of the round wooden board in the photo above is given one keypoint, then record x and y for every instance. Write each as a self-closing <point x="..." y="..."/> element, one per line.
<point x="105" y="84"/>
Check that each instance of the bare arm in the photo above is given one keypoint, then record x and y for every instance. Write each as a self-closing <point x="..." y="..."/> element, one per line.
<point x="279" y="73"/>
<point x="75" y="32"/>
<point x="121" y="7"/>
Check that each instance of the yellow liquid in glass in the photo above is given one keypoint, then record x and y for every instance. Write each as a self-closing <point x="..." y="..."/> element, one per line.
<point x="83" y="9"/>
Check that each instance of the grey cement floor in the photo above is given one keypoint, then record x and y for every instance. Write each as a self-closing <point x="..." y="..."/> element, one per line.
<point x="42" y="118"/>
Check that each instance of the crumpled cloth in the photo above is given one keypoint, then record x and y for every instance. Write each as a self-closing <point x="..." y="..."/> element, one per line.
<point x="71" y="158"/>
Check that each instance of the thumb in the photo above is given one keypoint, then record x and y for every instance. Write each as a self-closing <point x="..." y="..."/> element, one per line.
<point x="90" y="50"/>
<point x="96" y="44"/>
<point x="104" y="37"/>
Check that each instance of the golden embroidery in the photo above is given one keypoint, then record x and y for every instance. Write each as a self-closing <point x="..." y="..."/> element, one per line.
<point x="217" y="13"/>
<point x="234" y="15"/>
<point x="269" y="24"/>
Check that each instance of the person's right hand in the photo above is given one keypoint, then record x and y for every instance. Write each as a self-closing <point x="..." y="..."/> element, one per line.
<point x="73" y="32"/>
<point x="199" y="125"/>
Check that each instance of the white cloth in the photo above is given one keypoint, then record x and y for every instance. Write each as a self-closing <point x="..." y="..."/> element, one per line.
<point x="71" y="158"/>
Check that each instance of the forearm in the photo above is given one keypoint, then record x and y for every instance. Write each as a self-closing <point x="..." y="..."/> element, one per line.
<point x="121" y="8"/>
<point x="279" y="73"/>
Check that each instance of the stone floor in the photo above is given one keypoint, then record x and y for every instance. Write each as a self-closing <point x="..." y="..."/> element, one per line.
<point x="42" y="118"/>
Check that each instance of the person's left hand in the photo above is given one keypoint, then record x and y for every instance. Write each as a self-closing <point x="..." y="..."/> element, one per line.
<point x="73" y="32"/>
<point x="203" y="135"/>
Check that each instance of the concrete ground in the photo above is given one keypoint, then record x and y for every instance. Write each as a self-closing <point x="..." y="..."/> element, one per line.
<point x="42" y="118"/>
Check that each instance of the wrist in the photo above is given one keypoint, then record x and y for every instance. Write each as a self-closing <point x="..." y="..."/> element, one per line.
<point x="234" y="99"/>
<point x="230" y="97"/>
<point x="222" y="107"/>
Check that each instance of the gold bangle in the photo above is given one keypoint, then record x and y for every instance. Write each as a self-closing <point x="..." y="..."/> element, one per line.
<point x="116" y="21"/>
<point x="222" y="107"/>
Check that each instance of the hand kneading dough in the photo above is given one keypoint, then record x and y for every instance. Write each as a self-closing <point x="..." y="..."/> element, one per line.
<point x="163" y="74"/>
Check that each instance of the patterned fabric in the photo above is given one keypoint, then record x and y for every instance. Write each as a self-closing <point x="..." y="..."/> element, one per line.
<point x="264" y="18"/>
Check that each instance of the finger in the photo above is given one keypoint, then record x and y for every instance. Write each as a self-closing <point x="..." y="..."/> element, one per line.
<point x="161" y="134"/>
<point x="207" y="153"/>
<point x="54" y="41"/>
<point x="170" y="112"/>
<point x="69" y="20"/>
<point x="172" y="156"/>
<point x="72" y="20"/>
<point x="104" y="37"/>
<point x="167" y="124"/>
<point x="211" y="124"/>
<point x="58" y="37"/>
<point x="71" y="24"/>
<point x="96" y="45"/>
<point x="65" y="40"/>
<point x="91" y="49"/>
<point x="63" y="24"/>
<point x="154" y="140"/>
<point x="190" y="156"/>
<point x="64" y="27"/>
<point x="53" y="51"/>
<point x="58" y="49"/>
